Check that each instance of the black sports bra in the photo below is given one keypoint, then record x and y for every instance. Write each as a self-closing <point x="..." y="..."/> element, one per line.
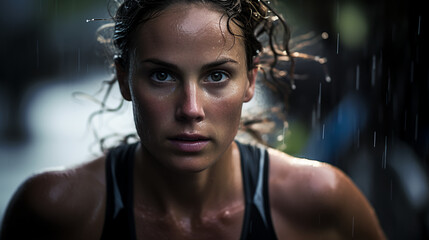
<point x="119" y="219"/>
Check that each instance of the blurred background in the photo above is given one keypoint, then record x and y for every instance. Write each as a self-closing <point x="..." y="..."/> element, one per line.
<point x="363" y="110"/>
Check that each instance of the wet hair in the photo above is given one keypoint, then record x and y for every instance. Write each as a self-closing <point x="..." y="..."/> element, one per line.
<point x="247" y="14"/>
<point x="264" y="32"/>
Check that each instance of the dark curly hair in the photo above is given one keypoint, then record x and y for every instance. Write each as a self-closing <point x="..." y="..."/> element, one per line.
<point x="264" y="32"/>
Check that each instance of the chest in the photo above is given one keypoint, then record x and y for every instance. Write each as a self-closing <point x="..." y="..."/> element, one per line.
<point x="223" y="225"/>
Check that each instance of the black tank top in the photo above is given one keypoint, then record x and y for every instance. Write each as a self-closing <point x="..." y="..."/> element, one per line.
<point x="119" y="219"/>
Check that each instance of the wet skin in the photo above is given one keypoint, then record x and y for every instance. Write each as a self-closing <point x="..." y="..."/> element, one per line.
<point x="187" y="81"/>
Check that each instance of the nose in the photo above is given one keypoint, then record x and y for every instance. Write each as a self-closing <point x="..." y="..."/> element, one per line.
<point x="190" y="103"/>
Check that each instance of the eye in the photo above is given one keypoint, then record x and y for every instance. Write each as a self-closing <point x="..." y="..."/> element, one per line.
<point x="161" y="77"/>
<point x="217" y="77"/>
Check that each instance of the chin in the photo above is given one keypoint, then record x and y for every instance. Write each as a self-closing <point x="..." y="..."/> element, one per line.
<point x="188" y="164"/>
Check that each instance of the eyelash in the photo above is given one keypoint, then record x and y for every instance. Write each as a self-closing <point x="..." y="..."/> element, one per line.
<point x="225" y="76"/>
<point x="154" y="73"/>
<point x="171" y="78"/>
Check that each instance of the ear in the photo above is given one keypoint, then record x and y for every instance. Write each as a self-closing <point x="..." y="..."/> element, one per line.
<point x="250" y="91"/>
<point x="122" y="75"/>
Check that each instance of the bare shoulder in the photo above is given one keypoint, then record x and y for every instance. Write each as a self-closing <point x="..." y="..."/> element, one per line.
<point x="57" y="204"/>
<point x="320" y="198"/>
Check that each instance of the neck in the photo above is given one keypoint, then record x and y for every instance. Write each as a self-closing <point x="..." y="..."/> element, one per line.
<point x="187" y="194"/>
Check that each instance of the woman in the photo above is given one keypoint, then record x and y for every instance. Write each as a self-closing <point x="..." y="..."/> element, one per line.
<point x="187" y="67"/>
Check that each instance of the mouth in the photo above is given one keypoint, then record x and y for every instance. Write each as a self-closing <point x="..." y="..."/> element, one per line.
<point x="189" y="142"/>
<point x="189" y="137"/>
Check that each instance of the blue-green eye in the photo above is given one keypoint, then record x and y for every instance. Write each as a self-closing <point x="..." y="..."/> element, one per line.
<point x="217" y="77"/>
<point x="161" y="77"/>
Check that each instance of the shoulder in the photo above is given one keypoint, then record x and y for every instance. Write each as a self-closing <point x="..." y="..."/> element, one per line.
<point x="306" y="179"/>
<point x="68" y="199"/>
<point x="317" y="195"/>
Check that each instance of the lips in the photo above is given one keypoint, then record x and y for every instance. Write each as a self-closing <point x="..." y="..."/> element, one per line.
<point x="189" y="142"/>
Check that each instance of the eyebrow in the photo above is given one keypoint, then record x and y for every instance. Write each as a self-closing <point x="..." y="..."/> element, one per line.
<point x="207" y="66"/>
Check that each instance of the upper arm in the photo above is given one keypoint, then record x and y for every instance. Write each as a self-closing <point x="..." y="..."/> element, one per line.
<point x="30" y="209"/>
<point x="51" y="205"/>
<point x="355" y="217"/>
<point x="311" y="198"/>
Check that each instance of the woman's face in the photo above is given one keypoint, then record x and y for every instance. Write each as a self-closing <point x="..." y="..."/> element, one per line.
<point x="187" y="81"/>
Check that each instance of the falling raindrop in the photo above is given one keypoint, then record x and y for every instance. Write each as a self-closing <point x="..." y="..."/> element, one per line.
<point x="412" y="72"/>
<point x="37" y="54"/>
<point x="416" y="127"/>
<point x="385" y="153"/>
<point x="319" y="100"/>
<point x="405" y="121"/>
<point x="323" y="131"/>
<point x="325" y="35"/>
<point x="373" y="70"/>
<point x="375" y="137"/>
<point x="78" y="60"/>
<point x="353" y="226"/>
<point x="338" y="42"/>
<point x="418" y="28"/>
<point x="391" y="189"/>
<point x="358" y="138"/>
<point x="357" y="77"/>
<point x="313" y="118"/>
<point x="328" y="78"/>
<point x="388" y="86"/>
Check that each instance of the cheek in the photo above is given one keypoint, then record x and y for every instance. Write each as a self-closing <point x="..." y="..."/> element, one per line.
<point x="226" y="111"/>
<point x="150" y="112"/>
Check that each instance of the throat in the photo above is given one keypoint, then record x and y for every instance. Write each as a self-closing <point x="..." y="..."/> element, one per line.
<point x="184" y="195"/>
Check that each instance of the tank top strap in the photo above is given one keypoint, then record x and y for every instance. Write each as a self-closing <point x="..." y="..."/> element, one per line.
<point x="257" y="222"/>
<point x="119" y="219"/>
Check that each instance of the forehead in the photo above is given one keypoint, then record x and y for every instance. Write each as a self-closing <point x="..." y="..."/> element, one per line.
<point x="183" y="29"/>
